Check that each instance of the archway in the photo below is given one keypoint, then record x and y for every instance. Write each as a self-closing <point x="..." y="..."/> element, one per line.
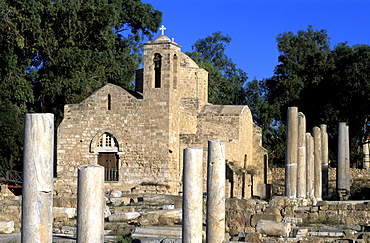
<point x="107" y="148"/>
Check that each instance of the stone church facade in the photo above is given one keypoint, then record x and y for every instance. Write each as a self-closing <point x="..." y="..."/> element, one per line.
<point x="139" y="136"/>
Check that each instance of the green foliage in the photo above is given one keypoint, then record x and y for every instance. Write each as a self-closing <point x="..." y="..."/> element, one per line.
<point x="123" y="239"/>
<point x="326" y="85"/>
<point x="225" y="81"/>
<point x="59" y="52"/>
<point x="11" y="136"/>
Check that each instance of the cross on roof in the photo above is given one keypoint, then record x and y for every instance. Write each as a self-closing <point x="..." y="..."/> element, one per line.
<point x="163" y="29"/>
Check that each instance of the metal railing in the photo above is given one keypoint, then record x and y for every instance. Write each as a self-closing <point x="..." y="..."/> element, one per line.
<point x="11" y="176"/>
<point x="111" y="174"/>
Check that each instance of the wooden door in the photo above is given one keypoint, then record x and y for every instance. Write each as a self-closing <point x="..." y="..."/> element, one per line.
<point x="110" y="163"/>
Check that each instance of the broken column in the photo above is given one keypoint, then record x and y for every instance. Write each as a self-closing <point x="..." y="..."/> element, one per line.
<point x="90" y="203"/>
<point x="291" y="153"/>
<point x="301" y="162"/>
<point x="310" y="158"/>
<point x="343" y="160"/>
<point x="216" y="191"/>
<point x="192" y="203"/>
<point x="317" y="163"/>
<point x="324" y="161"/>
<point x="37" y="193"/>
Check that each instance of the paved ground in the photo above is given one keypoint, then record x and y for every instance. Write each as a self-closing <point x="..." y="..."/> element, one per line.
<point x="16" y="238"/>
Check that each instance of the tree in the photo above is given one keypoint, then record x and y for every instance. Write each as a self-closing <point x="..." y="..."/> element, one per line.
<point x="326" y="85"/>
<point x="225" y="81"/>
<point x="59" y="52"/>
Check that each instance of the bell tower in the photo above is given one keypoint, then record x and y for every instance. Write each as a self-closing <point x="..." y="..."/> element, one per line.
<point x="161" y="65"/>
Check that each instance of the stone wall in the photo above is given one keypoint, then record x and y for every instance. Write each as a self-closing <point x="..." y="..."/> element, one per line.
<point x="360" y="182"/>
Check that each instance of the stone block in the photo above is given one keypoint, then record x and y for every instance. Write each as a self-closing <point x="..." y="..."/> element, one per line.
<point x="123" y="217"/>
<point x="69" y="230"/>
<point x="6" y="227"/>
<point x="300" y="232"/>
<point x="255" y="237"/>
<point x="273" y="228"/>
<point x="239" y="204"/>
<point x="70" y="212"/>
<point x="258" y="217"/>
<point x="272" y="210"/>
<point x="238" y="218"/>
<point x="156" y="232"/>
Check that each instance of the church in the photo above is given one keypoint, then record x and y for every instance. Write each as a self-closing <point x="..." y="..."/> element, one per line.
<point x="139" y="135"/>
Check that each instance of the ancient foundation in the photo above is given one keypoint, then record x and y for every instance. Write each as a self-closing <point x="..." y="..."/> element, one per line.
<point x="216" y="191"/>
<point x="90" y="204"/>
<point x="192" y="196"/>
<point x="37" y="203"/>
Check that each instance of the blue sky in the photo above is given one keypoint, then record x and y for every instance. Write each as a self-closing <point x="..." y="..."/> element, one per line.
<point x="253" y="25"/>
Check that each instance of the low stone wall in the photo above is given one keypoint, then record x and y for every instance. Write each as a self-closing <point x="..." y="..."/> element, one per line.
<point x="360" y="182"/>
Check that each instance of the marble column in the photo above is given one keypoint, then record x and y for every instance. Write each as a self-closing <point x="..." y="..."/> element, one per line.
<point x="342" y="175"/>
<point x="324" y="161"/>
<point x="192" y="203"/>
<point x="37" y="192"/>
<point x="348" y="164"/>
<point x="90" y="203"/>
<point x="317" y="163"/>
<point x="216" y="176"/>
<point x="301" y="162"/>
<point x="291" y="153"/>
<point x="310" y="158"/>
<point x="366" y="151"/>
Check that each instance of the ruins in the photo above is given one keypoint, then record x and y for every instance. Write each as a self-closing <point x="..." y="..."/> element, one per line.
<point x="139" y="136"/>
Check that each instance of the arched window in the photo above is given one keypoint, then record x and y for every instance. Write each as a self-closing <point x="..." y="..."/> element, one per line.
<point x="157" y="70"/>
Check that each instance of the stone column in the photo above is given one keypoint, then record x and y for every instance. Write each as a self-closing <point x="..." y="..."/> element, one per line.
<point x="37" y="193"/>
<point x="291" y="153"/>
<point x="342" y="160"/>
<point x="192" y="203"/>
<point x="216" y="191"/>
<point x="90" y="204"/>
<point x="301" y="162"/>
<point x="366" y="151"/>
<point x="348" y="164"/>
<point x="310" y="158"/>
<point x="324" y="161"/>
<point x="317" y="163"/>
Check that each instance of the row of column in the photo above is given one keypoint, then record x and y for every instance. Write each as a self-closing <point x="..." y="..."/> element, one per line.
<point x="37" y="200"/>
<point x="193" y="193"/>
<point x="37" y="193"/>
<point x="306" y="166"/>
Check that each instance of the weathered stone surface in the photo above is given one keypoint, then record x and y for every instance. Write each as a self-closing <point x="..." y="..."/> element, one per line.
<point x="158" y="240"/>
<point x="253" y="237"/>
<point x="273" y="228"/>
<point x="69" y="230"/>
<point x="123" y="217"/>
<point x="6" y="227"/>
<point x="257" y="217"/>
<point x="300" y="232"/>
<point x="155" y="232"/>
<point x="238" y="218"/>
<point x="238" y="203"/>
<point x="70" y="212"/>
